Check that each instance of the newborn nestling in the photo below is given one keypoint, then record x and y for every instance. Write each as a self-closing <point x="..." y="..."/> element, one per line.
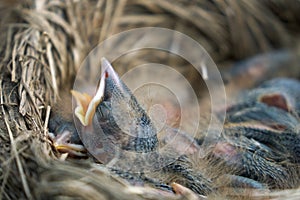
<point x="259" y="147"/>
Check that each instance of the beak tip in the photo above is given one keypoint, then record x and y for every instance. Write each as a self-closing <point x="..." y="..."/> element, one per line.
<point x="103" y="59"/>
<point x="108" y="70"/>
<point x="105" y="64"/>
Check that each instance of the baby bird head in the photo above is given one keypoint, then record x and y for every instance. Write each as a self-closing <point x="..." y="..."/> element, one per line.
<point x="115" y="110"/>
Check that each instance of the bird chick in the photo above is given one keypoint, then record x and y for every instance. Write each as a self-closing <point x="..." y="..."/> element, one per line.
<point x="262" y="129"/>
<point x="259" y="146"/>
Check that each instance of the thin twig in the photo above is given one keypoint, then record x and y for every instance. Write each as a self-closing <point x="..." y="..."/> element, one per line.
<point x="36" y="109"/>
<point x="47" y="120"/>
<point x="52" y="66"/>
<point x="106" y="21"/>
<point x="14" y="149"/>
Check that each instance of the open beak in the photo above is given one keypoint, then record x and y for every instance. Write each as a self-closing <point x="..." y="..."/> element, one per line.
<point x="130" y="118"/>
<point x="63" y="143"/>
<point x="86" y="104"/>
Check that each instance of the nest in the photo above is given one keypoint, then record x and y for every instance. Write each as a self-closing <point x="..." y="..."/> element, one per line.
<point x="43" y="44"/>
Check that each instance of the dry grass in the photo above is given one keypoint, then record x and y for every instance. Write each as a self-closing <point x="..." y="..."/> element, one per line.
<point x="43" y="44"/>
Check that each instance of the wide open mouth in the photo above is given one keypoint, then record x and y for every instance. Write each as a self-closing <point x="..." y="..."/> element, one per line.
<point x="86" y="104"/>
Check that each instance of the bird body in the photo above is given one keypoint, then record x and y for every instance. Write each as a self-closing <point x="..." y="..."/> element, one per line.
<point x="258" y="148"/>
